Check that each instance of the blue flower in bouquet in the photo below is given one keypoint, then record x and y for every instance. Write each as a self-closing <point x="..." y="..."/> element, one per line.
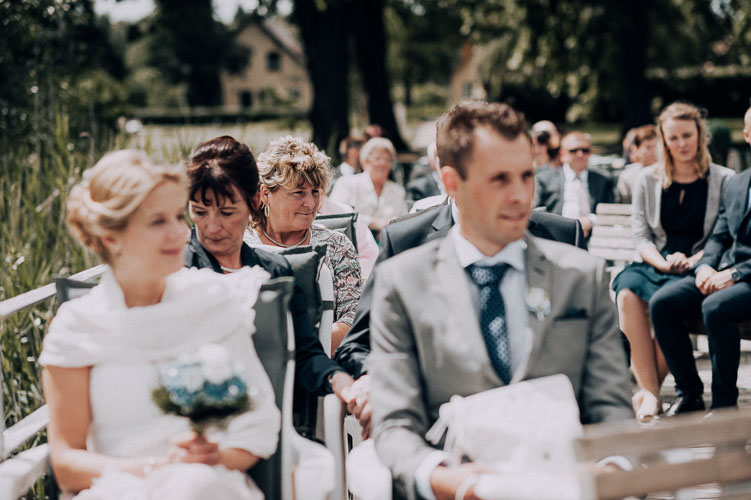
<point x="207" y="388"/>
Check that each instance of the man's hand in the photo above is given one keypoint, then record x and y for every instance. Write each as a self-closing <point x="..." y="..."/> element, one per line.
<point x="446" y="480"/>
<point x="586" y="223"/>
<point x="358" y="404"/>
<point x="703" y="274"/>
<point x="720" y="280"/>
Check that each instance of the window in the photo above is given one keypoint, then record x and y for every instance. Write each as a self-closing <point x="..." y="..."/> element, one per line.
<point x="246" y="99"/>
<point x="294" y="94"/>
<point x="273" y="61"/>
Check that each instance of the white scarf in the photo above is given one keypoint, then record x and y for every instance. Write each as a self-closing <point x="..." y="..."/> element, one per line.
<point x="197" y="307"/>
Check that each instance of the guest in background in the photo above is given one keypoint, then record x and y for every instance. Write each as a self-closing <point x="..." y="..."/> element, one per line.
<point x="223" y="191"/>
<point x="719" y="293"/>
<point x="376" y="198"/>
<point x="643" y="153"/>
<point x="104" y="350"/>
<point x="546" y="145"/>
<point x="425" y="182"/>
<point x="675" y="206"/>
<point x="574" y="191"/>
<point x="294" y="176"/>
<point x="349" y="150"/>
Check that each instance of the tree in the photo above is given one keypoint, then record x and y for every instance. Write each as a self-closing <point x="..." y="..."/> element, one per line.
<point x="189" y="46"/>
<point x="598" y="54"/>
<point x="50" y="50"/>
<point x="323" y="28"/>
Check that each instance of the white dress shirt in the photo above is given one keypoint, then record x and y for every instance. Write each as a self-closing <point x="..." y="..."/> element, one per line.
<point x="571" y="199"/>
<point x="514" y="292"/>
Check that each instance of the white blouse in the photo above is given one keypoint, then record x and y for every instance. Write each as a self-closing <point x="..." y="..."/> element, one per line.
<point x="358" y="192"/>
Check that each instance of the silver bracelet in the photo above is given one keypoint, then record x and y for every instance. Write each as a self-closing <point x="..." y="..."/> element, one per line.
<point x="466" y="485"/>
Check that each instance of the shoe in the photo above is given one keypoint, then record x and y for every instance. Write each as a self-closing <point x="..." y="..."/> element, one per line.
<point x="649" y="408"/>
<point x="685" y="404"/>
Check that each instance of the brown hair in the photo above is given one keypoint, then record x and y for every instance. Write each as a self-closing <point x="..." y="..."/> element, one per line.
<point x="291" y="161"/>
<point x="455" y="130"/>
<point x="643" y="134"/>
<point x="683" y="111"/>
<point x="220" y="163"/>
<point x="110" y="192"/>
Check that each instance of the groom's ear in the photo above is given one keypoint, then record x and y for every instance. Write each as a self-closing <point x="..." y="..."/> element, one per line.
<point x="451" y="179"/>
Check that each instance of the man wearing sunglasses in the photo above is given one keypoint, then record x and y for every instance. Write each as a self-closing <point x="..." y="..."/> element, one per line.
<point x="574" y="191"/>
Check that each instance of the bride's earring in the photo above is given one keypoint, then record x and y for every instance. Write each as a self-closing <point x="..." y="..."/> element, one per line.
<point x="266" y="210"/>
<point x="117" y="250"/>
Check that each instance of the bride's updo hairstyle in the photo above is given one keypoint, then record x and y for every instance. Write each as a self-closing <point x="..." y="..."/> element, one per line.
<point x="111" y="191"/>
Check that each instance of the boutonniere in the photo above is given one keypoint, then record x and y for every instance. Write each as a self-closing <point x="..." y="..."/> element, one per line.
<point x="538" y="302"/>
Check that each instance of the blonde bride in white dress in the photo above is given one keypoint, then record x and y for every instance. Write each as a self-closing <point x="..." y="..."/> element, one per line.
<point x="103" y="352"/>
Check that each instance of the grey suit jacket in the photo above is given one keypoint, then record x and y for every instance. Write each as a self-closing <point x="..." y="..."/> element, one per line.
<point x="549" y="185"/>
<point x="645" y="209"/>
<point x="427" y="344"/>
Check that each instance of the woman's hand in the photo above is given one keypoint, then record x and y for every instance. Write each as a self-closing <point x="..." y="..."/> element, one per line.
<point x="194" y="449"/>
<point x="677" y="263"/>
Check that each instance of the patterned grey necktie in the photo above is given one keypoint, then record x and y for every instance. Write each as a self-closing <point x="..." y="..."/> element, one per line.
<point x="493" y="316"/>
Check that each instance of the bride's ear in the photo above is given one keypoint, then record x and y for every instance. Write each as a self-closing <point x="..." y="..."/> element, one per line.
<point x="112" y="244"/>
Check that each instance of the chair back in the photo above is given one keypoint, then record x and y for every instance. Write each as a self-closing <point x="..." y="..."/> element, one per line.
<point x="344" y="223"/>
<point x="273" y="346"/>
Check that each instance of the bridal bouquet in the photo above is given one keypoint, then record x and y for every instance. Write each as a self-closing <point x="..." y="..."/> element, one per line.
<point x="207" y="388"/>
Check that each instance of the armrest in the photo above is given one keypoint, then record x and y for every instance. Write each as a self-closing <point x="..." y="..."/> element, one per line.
<point x="333" y="431"/>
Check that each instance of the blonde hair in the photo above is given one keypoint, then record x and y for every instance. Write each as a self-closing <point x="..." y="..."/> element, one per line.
<point x="377" y="144"/>
<point x="290" y="161"/>
<point x="110" y="192"/>
<point x="683" y="111"/>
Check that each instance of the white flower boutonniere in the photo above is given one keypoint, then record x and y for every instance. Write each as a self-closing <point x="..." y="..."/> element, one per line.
<point x="538" y="302"/>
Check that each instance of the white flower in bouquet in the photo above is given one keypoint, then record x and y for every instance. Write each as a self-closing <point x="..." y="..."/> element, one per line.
<point x="216" y="364"/>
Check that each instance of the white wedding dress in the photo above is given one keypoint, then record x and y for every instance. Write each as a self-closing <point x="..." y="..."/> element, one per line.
<point x="126" y="347"/>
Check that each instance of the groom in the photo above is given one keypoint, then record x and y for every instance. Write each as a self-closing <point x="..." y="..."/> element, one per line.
<point x="451" y="317"/>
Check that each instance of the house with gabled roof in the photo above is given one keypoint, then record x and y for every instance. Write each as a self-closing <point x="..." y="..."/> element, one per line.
<point x="275" y="76"/>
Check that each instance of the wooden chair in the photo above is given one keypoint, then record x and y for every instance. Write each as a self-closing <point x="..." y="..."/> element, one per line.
<point x="612" y="238"/>
<point x="673" y="455"/>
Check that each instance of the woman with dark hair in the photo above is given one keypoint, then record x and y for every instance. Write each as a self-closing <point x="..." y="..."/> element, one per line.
<point x="223" y="179"/>
<point x="675" y="205"/>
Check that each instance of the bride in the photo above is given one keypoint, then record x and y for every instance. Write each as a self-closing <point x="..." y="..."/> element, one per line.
<point x="103" y="352"/>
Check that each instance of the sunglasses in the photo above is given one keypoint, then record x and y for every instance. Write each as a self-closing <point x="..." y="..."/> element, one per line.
<point x="585" y="151"/>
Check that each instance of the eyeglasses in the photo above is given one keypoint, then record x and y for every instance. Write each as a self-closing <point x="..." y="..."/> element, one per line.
<point x="585" y="151"/>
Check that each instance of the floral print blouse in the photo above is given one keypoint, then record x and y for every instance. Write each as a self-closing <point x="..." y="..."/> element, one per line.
<point x="341" y="259"/>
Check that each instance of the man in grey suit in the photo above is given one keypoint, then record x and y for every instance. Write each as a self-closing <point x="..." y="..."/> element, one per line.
<point x="450" y="316"/>
<point x="573" y="190"/>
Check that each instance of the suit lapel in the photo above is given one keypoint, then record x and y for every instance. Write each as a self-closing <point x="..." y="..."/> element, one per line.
<point x="539" y="275"/>
<point x="457" y="316"/>
<point x="443" y="221"/>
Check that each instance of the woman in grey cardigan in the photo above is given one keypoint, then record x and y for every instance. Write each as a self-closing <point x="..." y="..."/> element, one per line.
<point x="675" y="205"/>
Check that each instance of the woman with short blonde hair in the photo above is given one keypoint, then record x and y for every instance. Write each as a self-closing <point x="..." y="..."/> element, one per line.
<point x="105" y="350"/>
<point x="376" y="198"/>
<point x="294" y="176"/>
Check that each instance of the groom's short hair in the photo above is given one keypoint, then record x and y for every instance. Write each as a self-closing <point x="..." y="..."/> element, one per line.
<point x="455" y="130"/>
